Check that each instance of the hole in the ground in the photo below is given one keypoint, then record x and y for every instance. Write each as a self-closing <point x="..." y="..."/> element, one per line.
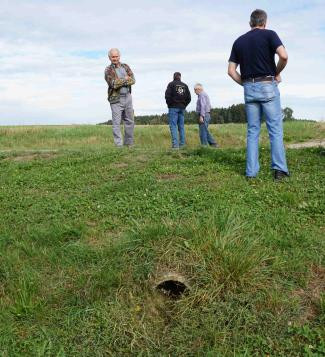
<point x="172" y="285"/>
<point x="172" y="288"/>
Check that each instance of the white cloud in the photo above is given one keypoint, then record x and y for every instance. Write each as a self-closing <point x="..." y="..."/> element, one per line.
<point x="47" y="75"/>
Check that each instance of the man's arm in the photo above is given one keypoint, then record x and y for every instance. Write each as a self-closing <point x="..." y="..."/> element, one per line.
<point x="202" y="105"/>
<point x="283" y="60"/>
<point x="168" y="94"/>
<point x="233" y="73"/>
<point x="112" y="81"/>
<point x="188" y="99"/>
<point x="129" y="79"/>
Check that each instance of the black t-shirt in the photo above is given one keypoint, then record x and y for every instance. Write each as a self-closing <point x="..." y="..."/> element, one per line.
<point x="254" y="52"/>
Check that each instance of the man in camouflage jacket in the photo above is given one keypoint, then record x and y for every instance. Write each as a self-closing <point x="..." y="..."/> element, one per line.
<point x="120" y="78"/>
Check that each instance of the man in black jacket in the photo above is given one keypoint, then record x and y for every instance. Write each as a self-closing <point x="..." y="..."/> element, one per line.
<point x="177" y="97"/>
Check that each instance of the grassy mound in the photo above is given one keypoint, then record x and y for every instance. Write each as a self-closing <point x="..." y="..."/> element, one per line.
<point x="87" y="231"/>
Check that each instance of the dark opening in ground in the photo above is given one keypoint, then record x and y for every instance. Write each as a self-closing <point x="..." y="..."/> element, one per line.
<point x="172" y="288"/>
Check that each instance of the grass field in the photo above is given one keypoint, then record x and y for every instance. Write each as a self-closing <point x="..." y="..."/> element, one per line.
<point x="87" y="230"/>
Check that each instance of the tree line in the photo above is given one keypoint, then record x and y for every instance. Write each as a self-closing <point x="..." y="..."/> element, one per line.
<point x="233" y="114"/>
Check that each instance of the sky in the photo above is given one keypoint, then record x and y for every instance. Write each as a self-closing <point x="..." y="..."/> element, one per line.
<point x="53" y="54"/>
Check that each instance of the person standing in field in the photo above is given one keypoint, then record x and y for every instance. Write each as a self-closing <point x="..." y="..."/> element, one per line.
<point x="177" y="97"/>
<point x="203" y="108"/>
<point x="259" y="75"/>
<point x="120" y="78"/>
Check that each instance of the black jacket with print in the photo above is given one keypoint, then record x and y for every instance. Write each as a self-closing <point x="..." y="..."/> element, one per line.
<point x="177" y="95"/>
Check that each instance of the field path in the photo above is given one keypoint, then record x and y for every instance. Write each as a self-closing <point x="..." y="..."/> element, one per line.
<point x="307" y="144"/>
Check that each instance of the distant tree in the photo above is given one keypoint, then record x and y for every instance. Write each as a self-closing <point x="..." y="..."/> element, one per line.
<point x="287" y="114"/>
<point x="108" y="122"/>
<point x="233" y="114"/>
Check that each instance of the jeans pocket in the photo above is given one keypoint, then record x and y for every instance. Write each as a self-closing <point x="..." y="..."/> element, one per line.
<point x="268" y="91"/>
<point x="247" y="94"/>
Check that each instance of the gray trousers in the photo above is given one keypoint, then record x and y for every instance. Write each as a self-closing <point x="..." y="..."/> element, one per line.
<point x="123" y="111"/>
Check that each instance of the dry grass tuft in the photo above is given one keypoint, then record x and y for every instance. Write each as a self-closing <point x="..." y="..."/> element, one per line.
<point x="120" y="165"/>
<point x="27" y="156"/>
<point x="164" y="177"/>
<point x="310" y="296"/>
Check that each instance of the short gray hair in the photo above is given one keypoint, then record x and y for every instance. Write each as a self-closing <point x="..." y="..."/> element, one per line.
<point x="258" y="18"/>
<point x="114" y="50"/>
<point x="198" y="86"/>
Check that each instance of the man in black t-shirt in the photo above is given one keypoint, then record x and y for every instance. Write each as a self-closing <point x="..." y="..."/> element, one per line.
<point x="259" y="75"/>
<point x="177" y="97"/>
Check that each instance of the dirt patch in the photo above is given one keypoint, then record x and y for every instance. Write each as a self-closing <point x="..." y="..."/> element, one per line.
<point x="120" y="165"/>
<point x="307" y="144"/>
<point x="310" y="296"/>
<point x="29" y="156"/>
<point x="142" y="158"/>
<point x="163" y="177"/>
<point x="91" y="223"/>
<point x="96" y="240"/>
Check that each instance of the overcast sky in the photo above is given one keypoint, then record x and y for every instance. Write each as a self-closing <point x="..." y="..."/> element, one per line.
<point x="53" y="54"/>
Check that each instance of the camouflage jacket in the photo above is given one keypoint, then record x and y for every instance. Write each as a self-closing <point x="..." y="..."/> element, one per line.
<point x="115" y="83"/>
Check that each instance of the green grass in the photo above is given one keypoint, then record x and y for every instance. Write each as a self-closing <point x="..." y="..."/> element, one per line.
<point x="147" y="137"/>
<point x="86" y="230"/>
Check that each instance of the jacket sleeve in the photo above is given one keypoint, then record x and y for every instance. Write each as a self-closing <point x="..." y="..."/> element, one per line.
<point x="116" y="83"/>
<point x="131" y="80"/>
<point x="188" y="99"/>
<point x="168" y="94"/>
<point x="113" y="82"/>
<point x="106" y="76"/>
<point x="202" y="106"/>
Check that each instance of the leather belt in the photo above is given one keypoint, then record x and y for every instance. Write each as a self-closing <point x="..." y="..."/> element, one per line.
<point x="259" y="79"/>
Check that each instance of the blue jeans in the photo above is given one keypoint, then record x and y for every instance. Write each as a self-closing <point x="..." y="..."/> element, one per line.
<point x="264" y="97"/>
<point x="176" y="123"/>
<point x="205" y="136"/>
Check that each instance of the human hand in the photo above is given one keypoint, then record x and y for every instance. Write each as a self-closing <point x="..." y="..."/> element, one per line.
<point x="201" y="119"/>
<point x="278" y="78"/>
<point x="126" y="77"/>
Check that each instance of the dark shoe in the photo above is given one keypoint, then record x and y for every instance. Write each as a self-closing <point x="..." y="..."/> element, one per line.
<point x="280" y="175"/>
<point x="214" y="145"/>
<point x="250" y="177"/>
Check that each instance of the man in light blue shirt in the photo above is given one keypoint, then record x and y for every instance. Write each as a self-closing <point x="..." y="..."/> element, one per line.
<point x="203" y="108"/>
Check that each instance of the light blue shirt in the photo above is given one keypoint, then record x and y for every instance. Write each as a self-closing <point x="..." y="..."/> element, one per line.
<point x="121" y="73"/>
<point x="203" y="104"/>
